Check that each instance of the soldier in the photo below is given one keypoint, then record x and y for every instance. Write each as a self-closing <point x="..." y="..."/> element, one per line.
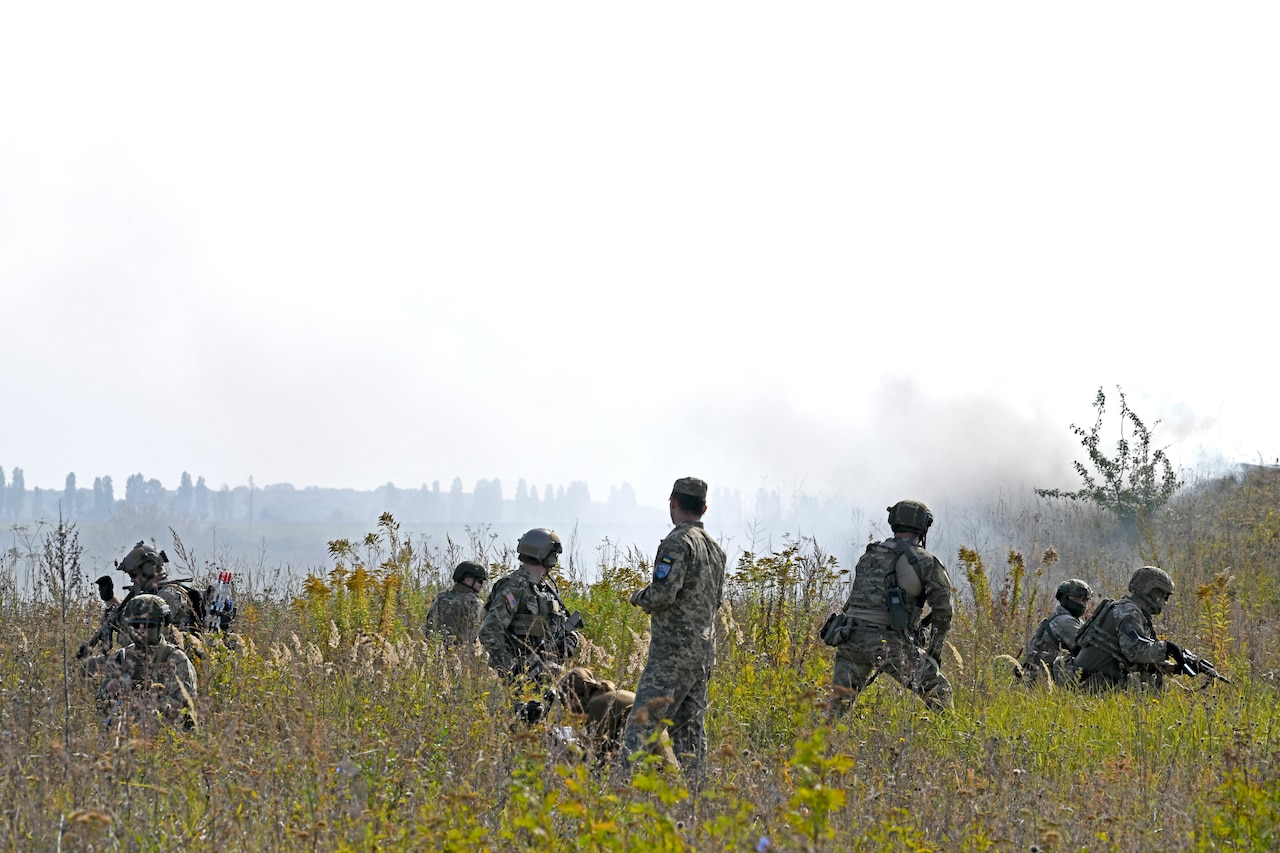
<point x="877" y="631"/>
<point x="146" y="567"/>
<point x="1056" y="634"/>
<point x="456" y="613"/>
<point x="605" y="706"/>
<point x="1119" y="639"/>
<point x="150" y="675"/>
<point x="681" y="600"/>
<point x="106" y="635"/>
<point x="526" y="628"/>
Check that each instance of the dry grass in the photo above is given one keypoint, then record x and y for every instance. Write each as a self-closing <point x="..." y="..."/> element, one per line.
<point x="363" y="737"/>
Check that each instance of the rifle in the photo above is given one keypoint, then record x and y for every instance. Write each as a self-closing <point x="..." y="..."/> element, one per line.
<point x="1188" y="663"/>
<point x="561" y="642"/>
<point x="1192" y="664"/>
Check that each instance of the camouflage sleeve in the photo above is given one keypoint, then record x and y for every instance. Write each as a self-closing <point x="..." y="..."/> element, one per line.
<point x="669" y="569"/>
<point x="1065" y="628"/>
<point x="493" y="630"/>
<point x="1135" y="644"/>
<point x="938" y="593"/>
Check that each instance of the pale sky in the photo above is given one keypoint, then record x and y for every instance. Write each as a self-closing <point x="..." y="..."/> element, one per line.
<point x="885" y="249"/>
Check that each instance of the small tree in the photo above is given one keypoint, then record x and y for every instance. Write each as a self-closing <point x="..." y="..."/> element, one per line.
<point x="1134" y="482"/>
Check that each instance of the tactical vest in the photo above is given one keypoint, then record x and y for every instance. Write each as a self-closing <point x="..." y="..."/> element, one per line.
<point x="1045" y="643"/>
<point x="181" y="612"/>
<point x="140" y="663"/>
<point x="1099" y="644"/>
<point x="866" y="600"/>
<point x="526" y="624"/>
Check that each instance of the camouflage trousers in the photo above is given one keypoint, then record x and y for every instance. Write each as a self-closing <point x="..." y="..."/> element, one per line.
<point x="869" y="652"/>
<point x="674" y="689"/>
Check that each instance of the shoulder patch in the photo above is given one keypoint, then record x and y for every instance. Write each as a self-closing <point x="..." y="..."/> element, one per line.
<point x="663" y="567"/>
<point x="511" y="600"/>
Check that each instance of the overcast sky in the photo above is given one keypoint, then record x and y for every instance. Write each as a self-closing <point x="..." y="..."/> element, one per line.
<point x="882" y="249"/>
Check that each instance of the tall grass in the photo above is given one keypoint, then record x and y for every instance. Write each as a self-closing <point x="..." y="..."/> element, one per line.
<point x="335" y="725"/>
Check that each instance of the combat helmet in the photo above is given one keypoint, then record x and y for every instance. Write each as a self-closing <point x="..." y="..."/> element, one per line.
<point x="145" y="618"/>
<point x="910" y="516"/>
<point x="540" y="545"/>
<point x="468" y="569"/>
<point x="1146" y="582"/>
<point x="1074" y="588"/>
<point x="144" y="563"/>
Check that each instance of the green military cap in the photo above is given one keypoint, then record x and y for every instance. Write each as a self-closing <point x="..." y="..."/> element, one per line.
<point x="691" y="486"/>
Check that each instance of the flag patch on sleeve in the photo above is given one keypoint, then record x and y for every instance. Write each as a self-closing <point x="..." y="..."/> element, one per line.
<point x="511" y="600"/>
<point x="663" y="568"/>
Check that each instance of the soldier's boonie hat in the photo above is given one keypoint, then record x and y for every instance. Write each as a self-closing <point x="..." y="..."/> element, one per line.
<point x="691" y="486"/>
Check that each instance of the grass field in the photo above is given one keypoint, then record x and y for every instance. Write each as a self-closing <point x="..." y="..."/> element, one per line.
<point x="335" y="726"/>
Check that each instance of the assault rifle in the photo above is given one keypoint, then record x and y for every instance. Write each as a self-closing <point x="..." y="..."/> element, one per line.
<point x="562" y="641"/>
<point x="1188" y="663"/>
<point x="1191" y="664"/>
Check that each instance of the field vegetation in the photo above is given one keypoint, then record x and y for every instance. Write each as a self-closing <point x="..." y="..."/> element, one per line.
<point x="334" y="725"/>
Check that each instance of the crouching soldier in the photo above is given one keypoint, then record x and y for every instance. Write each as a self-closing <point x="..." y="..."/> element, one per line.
<point x="1119" y="640"/>
<point x="877" y="629"/>
<point x="604" y="705"/>
<point x="1049" y="649"/>
<point x="151" y="677"/>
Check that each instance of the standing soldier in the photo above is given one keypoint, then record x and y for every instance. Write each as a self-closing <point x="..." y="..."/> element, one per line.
<point x="892" y="582"/>
<point x="456" y="613"/>
<point x="1119" y="639"/>
<point x="681" y="600"/>
<point x="1056" y="634"/>
<point x="527" y="630"/>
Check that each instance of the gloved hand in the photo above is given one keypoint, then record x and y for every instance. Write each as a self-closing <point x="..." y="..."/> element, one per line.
<point x="935" y="651"/>
<point x="567" y="645"/>
<point x="1171" y="649"/>
<point x="82" y="653"/>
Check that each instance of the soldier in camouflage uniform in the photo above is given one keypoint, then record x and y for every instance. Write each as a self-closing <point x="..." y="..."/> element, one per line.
<point x="1056" y="634"/>
<point x="877" y="629"/>
<point x="146" y="567"/>
<point x="524" y="627"/>
<point x="1119" y="640"/>
<point x="456" y="613"/>
<point x="681" y="600"/>
<point x="106" y="634"/>
<point x="150" y="676"/>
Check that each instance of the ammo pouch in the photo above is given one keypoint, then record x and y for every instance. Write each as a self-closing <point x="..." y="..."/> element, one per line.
<point x="836" y="629"/>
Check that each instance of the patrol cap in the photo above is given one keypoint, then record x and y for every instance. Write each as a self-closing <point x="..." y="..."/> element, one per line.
<point x="691" y="486"/>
